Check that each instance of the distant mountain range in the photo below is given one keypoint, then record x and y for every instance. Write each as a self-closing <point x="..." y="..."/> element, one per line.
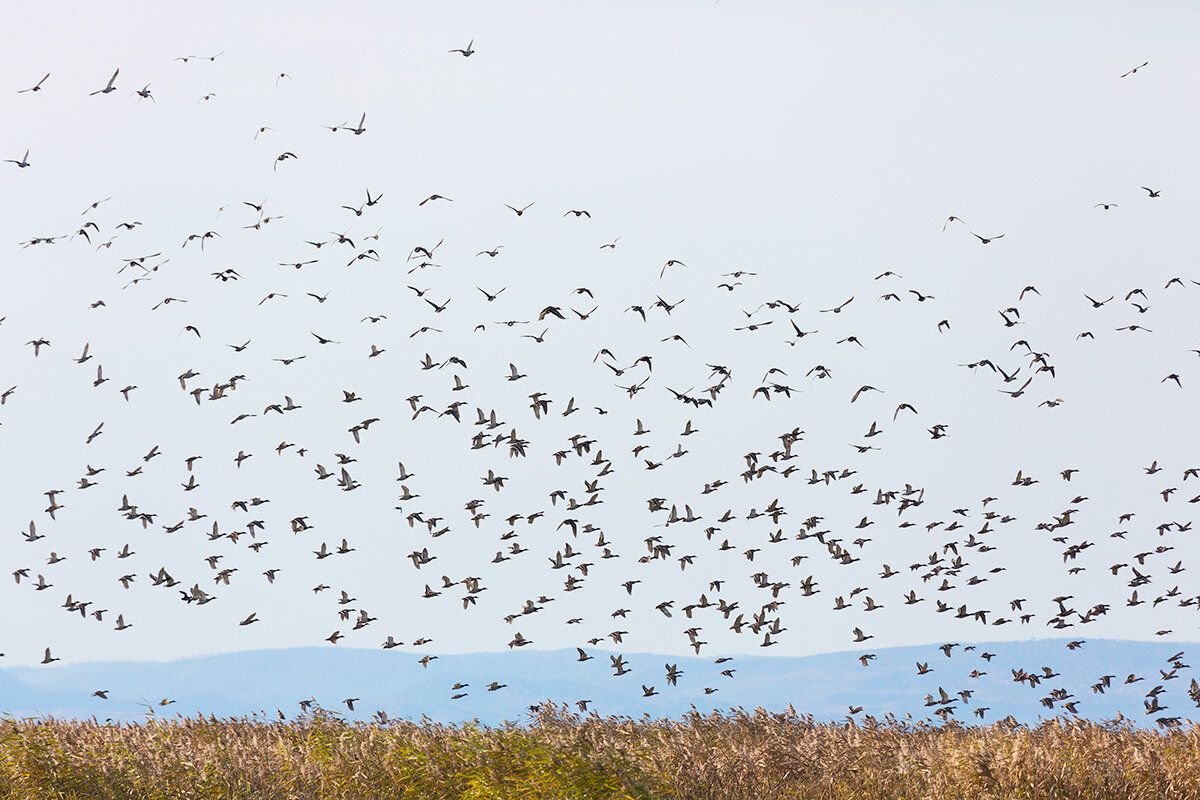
<point x="244" y="683"/>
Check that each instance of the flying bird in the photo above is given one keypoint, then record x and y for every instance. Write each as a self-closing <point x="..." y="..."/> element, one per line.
<point x="37" y="87"/>
<point x="110" y="86"/>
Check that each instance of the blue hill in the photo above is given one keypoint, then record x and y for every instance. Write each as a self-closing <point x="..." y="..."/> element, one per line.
<point x="243" y="683"/>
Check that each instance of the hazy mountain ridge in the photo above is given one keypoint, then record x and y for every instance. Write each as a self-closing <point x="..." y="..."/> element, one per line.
<point x="824" y="685"/>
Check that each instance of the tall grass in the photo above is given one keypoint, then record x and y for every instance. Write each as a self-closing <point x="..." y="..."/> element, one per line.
<point x="737" y="755"/>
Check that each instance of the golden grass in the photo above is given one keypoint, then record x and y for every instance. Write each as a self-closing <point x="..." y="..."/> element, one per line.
<point x="732" y="756"/>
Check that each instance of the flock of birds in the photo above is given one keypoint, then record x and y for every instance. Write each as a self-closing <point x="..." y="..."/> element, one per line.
<point x="764" y="550"/>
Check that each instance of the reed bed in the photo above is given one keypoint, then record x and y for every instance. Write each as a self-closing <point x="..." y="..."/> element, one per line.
<point x="736" y="755"/>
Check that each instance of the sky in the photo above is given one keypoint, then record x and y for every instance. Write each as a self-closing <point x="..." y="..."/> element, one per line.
<point x="811" y="146"/>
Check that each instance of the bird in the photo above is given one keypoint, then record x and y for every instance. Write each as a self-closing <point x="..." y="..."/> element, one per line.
<point x="467" y="51"/>
<point x="672" y="262"/>
<point x="21" y="163"/>
<point x="110" y="86"/>
<point x="37" y="87"/>
<point x="860" y="390"/>
<point x="837" y="309"/>
<point x="987" y="240"/>
<point x="359" y="129"/>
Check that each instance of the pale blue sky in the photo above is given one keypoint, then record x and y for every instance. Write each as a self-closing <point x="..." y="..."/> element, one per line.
<point x="816" y="145"/>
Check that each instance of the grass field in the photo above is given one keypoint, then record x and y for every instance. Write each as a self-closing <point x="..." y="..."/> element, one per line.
<point x="734" y="756"/>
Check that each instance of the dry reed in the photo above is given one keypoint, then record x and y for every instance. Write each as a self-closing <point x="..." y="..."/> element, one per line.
<point x="739" y="755"/>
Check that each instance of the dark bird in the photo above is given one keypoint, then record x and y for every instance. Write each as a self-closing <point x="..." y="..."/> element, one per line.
<point x="22" y="163"/>
<point x="837" y="309"/>
<point x="361" y="128"/>
<point x="37" y="87"/>
<point x="109" y="87"/>
<point x="987" y="240"/>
